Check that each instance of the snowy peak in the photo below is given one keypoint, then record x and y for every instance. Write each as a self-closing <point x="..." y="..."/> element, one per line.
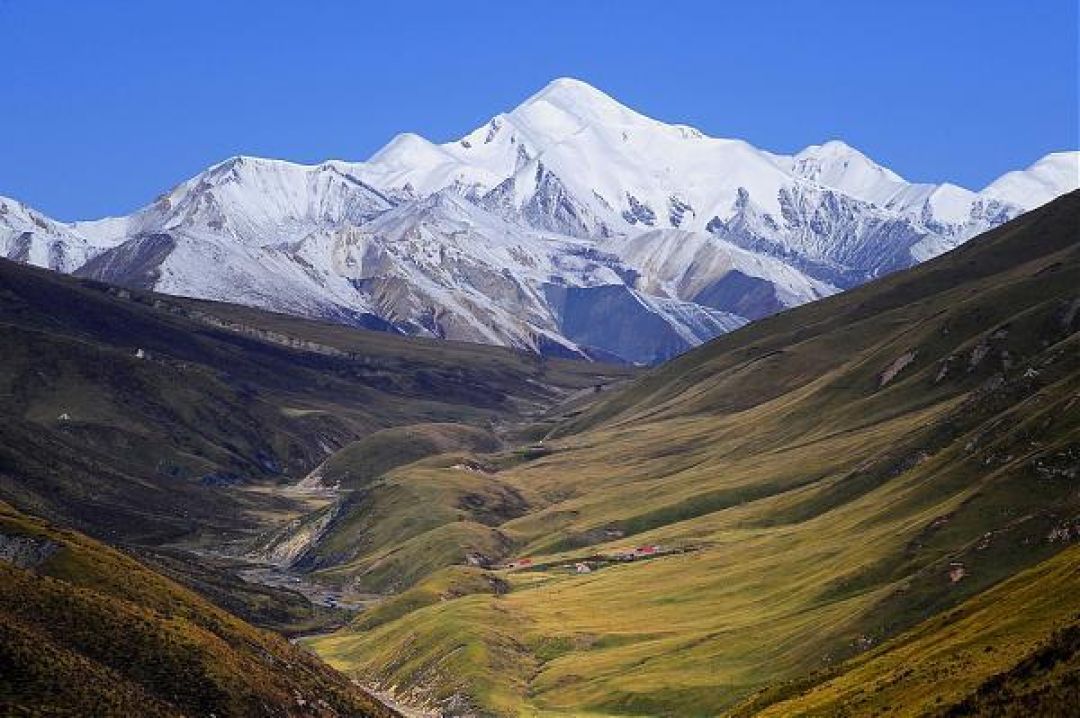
<point x="28" y="236"/>
<point x="836" y="158"/>
<point x="566" y="106"/>
<point x="14" y="215"/>
<point x="575" y="95"/>
<point x="1053" y="175"/>
<point x="838" y="165"/>
<point x="408" y="151"/>
<point x="574" y="160"/>
<point x="263" y="201"/>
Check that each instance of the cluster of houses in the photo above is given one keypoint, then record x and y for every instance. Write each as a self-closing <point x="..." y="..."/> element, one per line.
<point x="636" y="552"/>
<point x="623" y="554"/>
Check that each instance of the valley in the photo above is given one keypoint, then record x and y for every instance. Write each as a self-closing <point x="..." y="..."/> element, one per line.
<point x="754" y="527"/>
<point x="540" y="360"/>
<point x="760" y="526"/>
<point x="177" y="431"/>
<point x="817" y="508"/>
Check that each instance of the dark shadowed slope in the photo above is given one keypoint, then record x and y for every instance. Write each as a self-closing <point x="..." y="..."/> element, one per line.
<point x="138" y="417"/>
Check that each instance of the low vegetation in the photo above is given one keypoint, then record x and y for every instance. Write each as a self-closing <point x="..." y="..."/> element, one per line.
<point x="1013" y="650"/>
<point x="135" y="416"/>
<point x="821" y="482"/>
<point x="87" y="631"/>
<point x="865" y="505"/>
<point x="361" y="462"/>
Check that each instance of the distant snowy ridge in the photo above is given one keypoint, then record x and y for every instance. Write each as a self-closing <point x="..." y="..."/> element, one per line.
<point x="569" y="225"/>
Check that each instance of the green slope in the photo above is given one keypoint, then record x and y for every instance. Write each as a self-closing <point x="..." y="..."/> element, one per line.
<point x="1013" y="650"/>
<point x="819" y="482"/>
<point x="361" y="462"/>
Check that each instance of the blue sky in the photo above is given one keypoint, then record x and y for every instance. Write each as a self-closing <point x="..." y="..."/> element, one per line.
<point x="104" y="105"/>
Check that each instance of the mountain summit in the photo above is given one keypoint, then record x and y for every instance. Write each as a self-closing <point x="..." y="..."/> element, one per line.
<point x="569" y="225"/>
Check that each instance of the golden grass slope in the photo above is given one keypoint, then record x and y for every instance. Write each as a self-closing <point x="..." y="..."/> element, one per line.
<point x="817" y="501"/>
<point x="1012" y="650"/>
<point x="88" y="631"/>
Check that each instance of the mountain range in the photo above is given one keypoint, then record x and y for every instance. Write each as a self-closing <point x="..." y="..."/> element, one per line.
<point x="569" y="226"/>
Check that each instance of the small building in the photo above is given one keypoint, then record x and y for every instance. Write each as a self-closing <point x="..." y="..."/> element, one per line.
<point x="474" y="558"/>
<point x="520" y="563"/>
<point x="623" y="554"/>
<point x="582" y="568"/>
<point x="635" y="552"/>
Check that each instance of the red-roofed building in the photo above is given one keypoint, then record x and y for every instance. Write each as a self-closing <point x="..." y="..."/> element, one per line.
<point x="520" y="563"/>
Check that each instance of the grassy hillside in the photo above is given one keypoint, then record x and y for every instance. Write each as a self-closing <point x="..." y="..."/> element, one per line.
<point x="139" y="417"/>
<point x="88" y="631"/>
<point x="361" y="462"/>
<point x="406" y="523"/>
<point x="1013" y="650"/>
<point x="818" y="483"/>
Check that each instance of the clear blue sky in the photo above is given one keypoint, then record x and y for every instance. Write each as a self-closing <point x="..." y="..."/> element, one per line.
<point x="103" y="105"/>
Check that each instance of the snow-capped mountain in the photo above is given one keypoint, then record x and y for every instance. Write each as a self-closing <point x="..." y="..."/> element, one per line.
<point x="571" y="224"/>
<point x="29" y="236"/>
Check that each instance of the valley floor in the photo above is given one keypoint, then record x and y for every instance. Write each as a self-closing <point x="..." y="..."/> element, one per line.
<point x="881" y="481"/>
